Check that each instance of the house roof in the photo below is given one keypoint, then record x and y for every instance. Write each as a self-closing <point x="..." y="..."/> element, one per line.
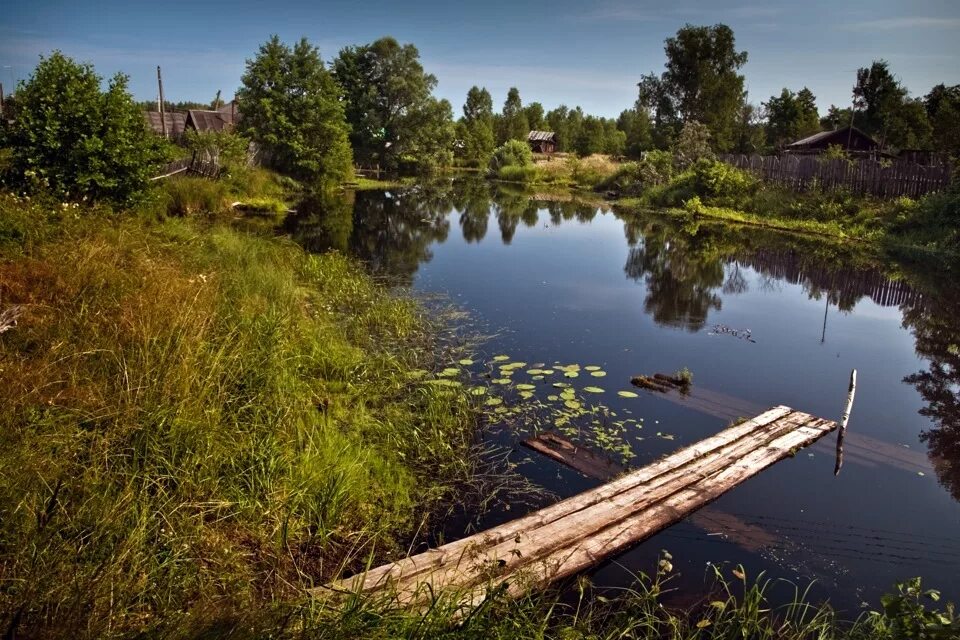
<point x="541" y="136"/>
<point x="206" y="120"/>
<point x="175" y="120"/>
<point x="826" y="135"/>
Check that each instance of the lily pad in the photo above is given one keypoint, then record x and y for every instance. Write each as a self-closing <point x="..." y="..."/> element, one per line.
<point x="449" y="371"/>
<point x="534" y="372"/>
<point x="598" y="374"/>
<point x="443" y="383"/>
<point x="560" y="385"/>
<point x="478" y="391"/>
<point x="466" y="362"/>
<point x="572" y="404"/>
<point x="571" y="374"/>
<point x="526" y="395"/>
<point x="592" y="367"/>
<point x="494" y="402"/>
<point x="526" y="387"/>
<point x="547" y="372"/>
<point x="627" y="394"/>
<point x="593" y="389"/>
<point x="501" y="381"/>
<point x="553" y="398"/>
<point x="500" y="358"/>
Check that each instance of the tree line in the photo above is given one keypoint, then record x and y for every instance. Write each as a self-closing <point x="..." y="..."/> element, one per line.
<point x="373" y="104"/>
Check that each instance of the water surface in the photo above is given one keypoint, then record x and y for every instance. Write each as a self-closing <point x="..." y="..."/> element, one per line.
<point x="761" y="319"/>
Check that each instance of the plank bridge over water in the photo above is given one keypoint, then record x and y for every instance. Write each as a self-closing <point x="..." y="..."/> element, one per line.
<point x="572" y="535"/>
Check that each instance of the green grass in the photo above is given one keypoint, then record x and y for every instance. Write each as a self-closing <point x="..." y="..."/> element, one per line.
<point x="196" y="423"/>
<point x="367" y="184"/>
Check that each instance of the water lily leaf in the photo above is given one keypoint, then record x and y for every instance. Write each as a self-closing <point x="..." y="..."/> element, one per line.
<point x="534" y="372"/>
<point x="598" y="374"/>
<point x="572" y="404"/>
<point x="478" y="391"/>
<point x="537" y="378"/>
<point x="417" y="373"/>
<point x="547" y="372"/>
<point x="500" y="358"/>
<point x="593" y="389"/>
<point x="501" y="381"/>
<point x="501" y="410"/>
<point x="592" y="367"/>
<point x="571" y="374"/>
<point x="553" y="398"/>
<point x="526" y="387"/>
<point x="494" y="402"/>
<point x="627" y="394"/>
<point x="466" y="362"/>
<point x="449" y="371"/>
<point x="443" y="383"/>
<point x="526" y="395"/>
<point x="560" y="385"/>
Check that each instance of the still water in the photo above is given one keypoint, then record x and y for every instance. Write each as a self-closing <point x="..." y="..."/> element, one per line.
<point x="761" y="319"/>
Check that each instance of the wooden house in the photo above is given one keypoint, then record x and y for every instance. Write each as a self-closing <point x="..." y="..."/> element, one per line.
<point x="850" y="139"/>
<point x="542" y="141"/>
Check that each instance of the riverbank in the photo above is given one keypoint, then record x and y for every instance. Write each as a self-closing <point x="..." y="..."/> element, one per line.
<point x="198" y="423"/>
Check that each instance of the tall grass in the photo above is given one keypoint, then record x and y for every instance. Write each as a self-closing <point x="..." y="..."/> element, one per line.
<point x="196" y="423"/>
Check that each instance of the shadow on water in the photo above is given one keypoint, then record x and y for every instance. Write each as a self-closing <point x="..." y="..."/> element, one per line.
<point x="691" y="274"/>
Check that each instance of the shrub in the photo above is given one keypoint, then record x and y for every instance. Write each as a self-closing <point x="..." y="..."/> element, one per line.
<point x="692" y="144"/>
<point x="510" y="153"/>
<point x="722" y="184"/>
<point x="224" y="147"/>
<point x="78" y="141"/>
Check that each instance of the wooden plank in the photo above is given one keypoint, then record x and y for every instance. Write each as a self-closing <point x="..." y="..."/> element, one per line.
<point x="414" y="565"/>
<point x="545" y="544"/>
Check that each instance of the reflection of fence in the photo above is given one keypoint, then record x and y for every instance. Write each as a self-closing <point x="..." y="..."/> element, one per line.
<point x="861" y="176"/>
<point x="192" y="165"/>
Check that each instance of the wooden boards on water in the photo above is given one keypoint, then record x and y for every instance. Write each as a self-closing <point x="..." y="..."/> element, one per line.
<point x="579" y="532"/>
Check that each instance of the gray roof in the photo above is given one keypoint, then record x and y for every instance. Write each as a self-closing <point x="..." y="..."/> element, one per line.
<point x="205" y="120"/>
<point x="817" y="137"/>
<point x="176" y="121"/>
<point x="545" y="136"/>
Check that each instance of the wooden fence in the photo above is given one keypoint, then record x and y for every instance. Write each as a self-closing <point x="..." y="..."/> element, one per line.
<point x="190" y="165"/>
<point x="883" y="179"/>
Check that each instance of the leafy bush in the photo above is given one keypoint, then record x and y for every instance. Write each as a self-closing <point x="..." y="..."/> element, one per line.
<point x="722" y="184"/>
<point x="78" y="141"/>
<point x="511" y="153"/>
<point x="225" y="147"/>
<point x="692" y="144"/>
<point x="933" y="221"/>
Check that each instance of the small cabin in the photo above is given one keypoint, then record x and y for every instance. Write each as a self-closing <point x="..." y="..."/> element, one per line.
<point x="542" y="141"/>
<point x="850" y="139"/>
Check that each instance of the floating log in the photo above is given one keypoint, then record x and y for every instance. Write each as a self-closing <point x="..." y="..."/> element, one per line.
<point x="579" y="532"/>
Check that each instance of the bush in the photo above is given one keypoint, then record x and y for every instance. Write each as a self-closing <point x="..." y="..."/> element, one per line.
<point x="78" y="141"/>
<point x="224" y="147"/>
<point x="722" y="184"/>
<point x="692" y="144"/>
<point x="510" y="153"/>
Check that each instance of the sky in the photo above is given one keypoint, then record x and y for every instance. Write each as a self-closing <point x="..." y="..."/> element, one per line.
<point x="555" y="52"/>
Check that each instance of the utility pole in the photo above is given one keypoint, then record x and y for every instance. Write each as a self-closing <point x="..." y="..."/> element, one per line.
<point x="3" y="111"/>
<point x="163" y="120"/>
<point x="216" y="101"/>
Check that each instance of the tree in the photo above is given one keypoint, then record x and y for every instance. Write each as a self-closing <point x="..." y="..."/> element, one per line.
<point x="635" y="126"/>
<point x="77" y="140"/>
<point x="885" y="111"/>
<point x="943" y="111"/>
<point x="791" y="116"/>
<point x="657" y="104"/>
<point x="700" y="82"/>
<point x="388" y="98"/>
<point x="692" y="144"/>
<point x="836" y="118"/>
<point x="749" y="135"/>
<point x="476" y="127"/>
<point x="558" y="122"/>
<point x="513" y="120"/>
<point x="292" y="109"/>
<point x="535" y="117"/>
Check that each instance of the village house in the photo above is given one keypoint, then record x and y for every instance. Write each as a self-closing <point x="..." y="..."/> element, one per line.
<point x="542" y="141"/>
<point x="850" y="139"/>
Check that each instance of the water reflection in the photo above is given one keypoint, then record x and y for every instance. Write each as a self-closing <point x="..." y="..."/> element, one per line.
<point x="687" y="269"/>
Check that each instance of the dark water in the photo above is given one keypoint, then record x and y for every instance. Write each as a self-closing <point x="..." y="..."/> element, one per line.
<point x="571" y="282"/>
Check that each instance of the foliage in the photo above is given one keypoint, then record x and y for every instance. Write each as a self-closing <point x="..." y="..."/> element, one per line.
<point x="511" y="153"/>
<point x="722" y="184"/>
<point x="476" y="127"/>
<point x="512" y="124"/>
<point x="592" y="171"/>
<point x="534" y="114"/>
<point x="932" y="222"/>
<point x="394" y="118"/>
<point x="943" y="111"/>
<point x="701" y="83"/>
<point x="635" y="126"/>
<point x="791" y="116"/>
<point x="192" y="196"/>
<point x="905" y="615"/>
<point x="224" y="147"/>
<point x="78" y="141"/>
<point x="885" y="111"/>
<point x="692" y="144"/>
<point x="198" y="423"/>
<point x="292" y="110"/>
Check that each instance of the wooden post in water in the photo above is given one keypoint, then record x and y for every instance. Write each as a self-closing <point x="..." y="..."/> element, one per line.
<point x="843" y="421"/>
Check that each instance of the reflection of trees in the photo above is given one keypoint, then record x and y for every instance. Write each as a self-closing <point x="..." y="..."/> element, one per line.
<point x="472" y="199"/>
<point x="512" y="206"/>
<point x="936" y="329"/>
<point x="681" y="277"/>
<point x="322" y="222"/>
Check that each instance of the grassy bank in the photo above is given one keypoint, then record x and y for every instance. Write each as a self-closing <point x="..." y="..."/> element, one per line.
<point x="197" y="423"/>
<point x="712" y="189"/>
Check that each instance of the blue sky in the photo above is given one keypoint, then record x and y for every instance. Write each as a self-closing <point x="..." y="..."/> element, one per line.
<point x="591" y="54"/>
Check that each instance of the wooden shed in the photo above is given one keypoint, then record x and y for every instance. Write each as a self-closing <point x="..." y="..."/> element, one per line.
<point x="850" y="139"/>
<point x="542" y="141"/>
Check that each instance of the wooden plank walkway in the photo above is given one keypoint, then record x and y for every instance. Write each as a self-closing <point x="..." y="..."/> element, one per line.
<point x="579" y="532"/>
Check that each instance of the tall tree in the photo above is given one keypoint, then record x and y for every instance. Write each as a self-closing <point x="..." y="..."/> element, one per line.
<point x="943" y="111"/>
<point x="292" y="109"/>
<point x="701" y="82"/>
<point x="513" y="121"/>
<point x="388" y="96"/>
<point x="885" y="111"/>
<point x="476" y="127"/>
<point x="836" y="118"/>
<point x="76" y="139"/>
<point x="635" y="126"/>
<point x="791" y="116"/>
<point x="535" y="116"/>
<point x="558" y="122"/>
